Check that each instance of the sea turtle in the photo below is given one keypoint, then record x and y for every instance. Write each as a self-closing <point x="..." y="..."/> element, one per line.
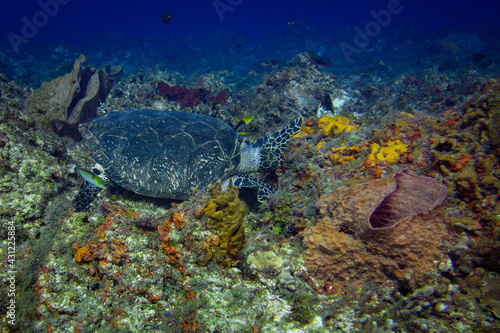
<point x="167" y="154"/>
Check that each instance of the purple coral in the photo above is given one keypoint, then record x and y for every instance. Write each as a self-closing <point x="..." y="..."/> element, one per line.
<point x="187" y="97"/>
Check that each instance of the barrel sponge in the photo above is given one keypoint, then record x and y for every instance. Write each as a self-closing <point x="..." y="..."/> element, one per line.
<point x="377" y="231"/>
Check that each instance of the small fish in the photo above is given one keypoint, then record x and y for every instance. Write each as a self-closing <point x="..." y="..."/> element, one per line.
<point x="315" y="58"/>
<point x="242" y="123"/>
<point x="270" y="63"/>
<point x="292" y="23"/>
<point x="166" y="17"/>
<point x="93" y="179"/>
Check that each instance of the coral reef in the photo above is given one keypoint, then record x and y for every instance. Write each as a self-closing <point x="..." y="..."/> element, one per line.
<point x="343" y="154"/>
<point x="291" y="89"/>
<point x="264" y="259"/>
<point x="32" y="194"/>
<point x="379" y="230"/>
<point x="391" y="152"/>
<point x="30" y="174"/>
<point x="69" y="100"/>
<point x="226" y="214"/>
<point x="483" y="111"/>
<point x="331" y="126"/>
<point x="461" y="147"/>
<point x="118" y="272"/>
<point x="142" y="264"/>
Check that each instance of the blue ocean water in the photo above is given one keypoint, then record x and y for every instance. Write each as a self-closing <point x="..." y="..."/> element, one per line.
<point x="215" y="34"/>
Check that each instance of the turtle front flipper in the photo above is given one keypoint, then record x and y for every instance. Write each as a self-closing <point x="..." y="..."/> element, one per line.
<point x="241" y="181"/>
<point x="86" y="195"/>
<point x="265" y="153"/>
<point x="273" y="145"/>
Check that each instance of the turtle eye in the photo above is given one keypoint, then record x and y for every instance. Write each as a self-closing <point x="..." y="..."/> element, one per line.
<point x="96" y="171"/>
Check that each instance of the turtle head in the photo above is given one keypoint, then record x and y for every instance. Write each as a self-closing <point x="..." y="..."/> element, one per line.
<point x="266" y="152"/>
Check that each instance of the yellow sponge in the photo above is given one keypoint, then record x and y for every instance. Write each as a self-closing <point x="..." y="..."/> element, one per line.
<point x="335" y="125"/>
<point x="390" y="153"/>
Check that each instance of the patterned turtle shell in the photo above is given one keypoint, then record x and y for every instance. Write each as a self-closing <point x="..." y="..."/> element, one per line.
<point x="163" y="154"/>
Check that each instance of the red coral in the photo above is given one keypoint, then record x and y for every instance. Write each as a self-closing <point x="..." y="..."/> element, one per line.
<point x="220" y="98"/>
<point x="187" y="97"/>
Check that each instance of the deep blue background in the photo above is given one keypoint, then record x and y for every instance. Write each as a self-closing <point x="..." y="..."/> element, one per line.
<point x="83" y="19"/>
